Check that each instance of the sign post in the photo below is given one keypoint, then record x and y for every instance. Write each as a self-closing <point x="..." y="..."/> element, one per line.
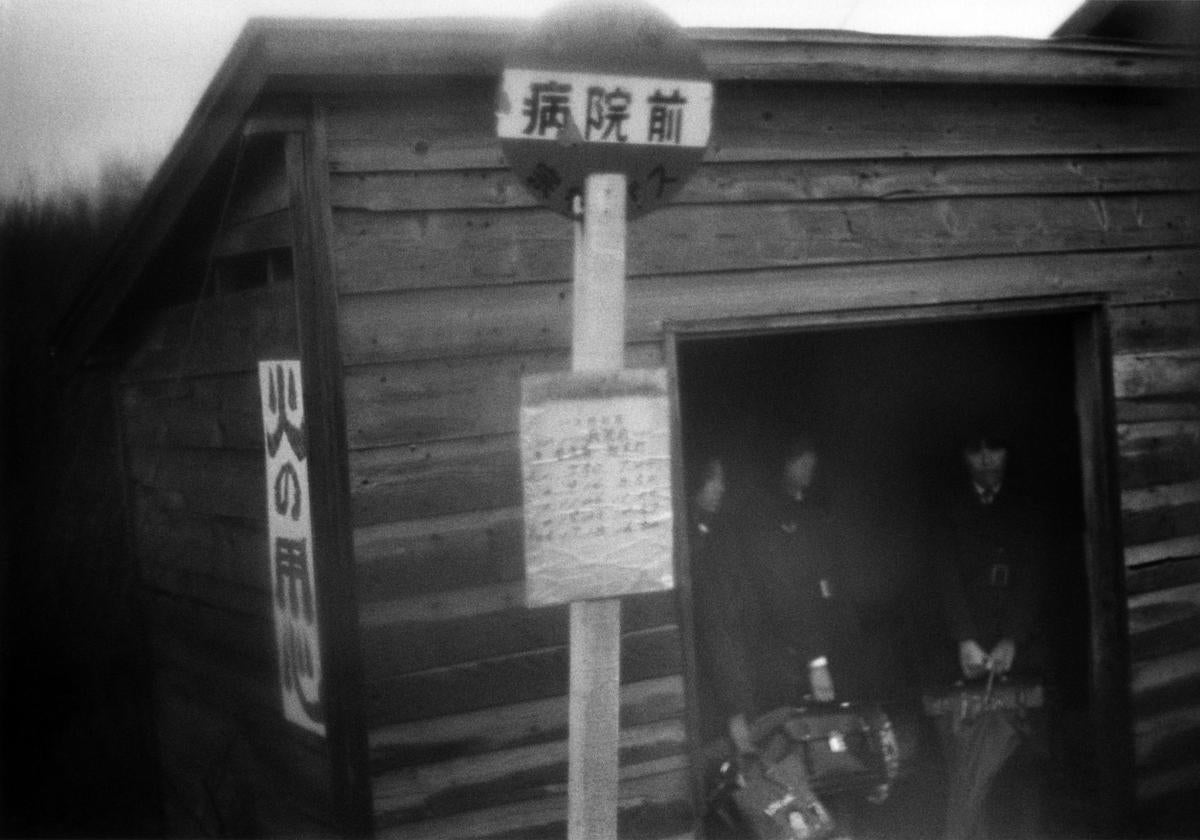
<point x="604" y="108"/>
<point x="597" y="343"/>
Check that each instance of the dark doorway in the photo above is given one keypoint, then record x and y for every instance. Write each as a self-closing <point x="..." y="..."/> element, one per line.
<point x="889" y="403"/>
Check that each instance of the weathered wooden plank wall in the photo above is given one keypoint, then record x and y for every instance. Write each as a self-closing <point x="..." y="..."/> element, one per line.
<point x="1156" y="373"/>
<point x="814" y="197"/>
<point x="193" y="425"/>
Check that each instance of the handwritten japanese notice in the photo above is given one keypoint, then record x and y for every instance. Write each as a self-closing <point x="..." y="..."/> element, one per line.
<point x="289" y="526"/>
<point x="597" y="479"/>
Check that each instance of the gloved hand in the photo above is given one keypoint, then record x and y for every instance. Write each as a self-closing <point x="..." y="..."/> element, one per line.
<point x="1003" y="655"/>
<point x="971" y="658"/>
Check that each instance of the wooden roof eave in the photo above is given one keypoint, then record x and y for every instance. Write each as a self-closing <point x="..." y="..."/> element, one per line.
<point x="326" y="54"/>
<point x="951" y="62"/>
<point x="307" y="56"/>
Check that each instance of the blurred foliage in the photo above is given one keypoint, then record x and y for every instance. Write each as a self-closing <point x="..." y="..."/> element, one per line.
<point x="77" y="756"/>
<point x="49" y="244"/>
<point x="49" y="240"/>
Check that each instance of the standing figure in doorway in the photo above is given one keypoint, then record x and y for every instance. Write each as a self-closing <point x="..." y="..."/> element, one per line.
<point x="993" y="552"/>
<point x="780" y="628"/>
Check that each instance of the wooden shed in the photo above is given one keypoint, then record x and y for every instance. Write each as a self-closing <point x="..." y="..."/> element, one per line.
<point x="887" y="232"/>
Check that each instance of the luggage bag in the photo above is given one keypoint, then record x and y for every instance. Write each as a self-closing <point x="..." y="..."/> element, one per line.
<point x="805" y="752"/>
<point x="845" y="747"/>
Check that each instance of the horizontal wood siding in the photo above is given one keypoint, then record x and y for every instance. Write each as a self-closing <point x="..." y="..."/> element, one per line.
<point x="817" y="197"/>
<point x="432" y="632"/>
<point x="1156" y="379"/>
<point x="536" y="316"/>
<point x="193" y="426"/>
<point x="449" y="124"/>
<point x="793" y="181"/>
<point x="481" y="247"/>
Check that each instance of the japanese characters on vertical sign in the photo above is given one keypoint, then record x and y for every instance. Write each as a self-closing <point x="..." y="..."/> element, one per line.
<point x="289" y="526"/>
<point x="595" y="456"/>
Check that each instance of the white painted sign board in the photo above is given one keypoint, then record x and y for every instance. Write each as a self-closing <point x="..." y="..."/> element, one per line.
<point x="638" y="113"/>
<point x="595" y="452"/>
<point x="289" y="526"/>
<point x="602" y="89"/>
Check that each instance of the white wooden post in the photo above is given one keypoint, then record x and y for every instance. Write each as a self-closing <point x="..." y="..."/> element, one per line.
<point x="598" y="343"/>
<point x="598" y="331"/>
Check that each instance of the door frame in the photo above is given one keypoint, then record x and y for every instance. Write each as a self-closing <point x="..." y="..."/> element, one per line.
<point x="1111" y="761"/>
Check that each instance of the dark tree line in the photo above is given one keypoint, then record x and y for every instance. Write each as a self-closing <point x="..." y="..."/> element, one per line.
<point x="76" y="756"/>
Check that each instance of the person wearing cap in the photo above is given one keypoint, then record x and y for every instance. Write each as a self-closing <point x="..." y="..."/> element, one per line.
<point x="992" y="553"/>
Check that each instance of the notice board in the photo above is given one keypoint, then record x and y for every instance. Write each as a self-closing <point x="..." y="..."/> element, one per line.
<point x="595" y="456"/>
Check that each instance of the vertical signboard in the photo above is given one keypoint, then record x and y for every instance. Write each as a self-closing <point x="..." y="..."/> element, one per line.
<point x="289" y="525"/>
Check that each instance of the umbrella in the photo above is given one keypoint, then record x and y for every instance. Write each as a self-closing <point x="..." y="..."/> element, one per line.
<point x="981" y="744"/>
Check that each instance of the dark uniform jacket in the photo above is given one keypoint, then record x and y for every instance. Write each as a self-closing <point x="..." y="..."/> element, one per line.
<point x="992" y="559"/>
<point x="769" y="601"/>
<point x="704" y="532"/>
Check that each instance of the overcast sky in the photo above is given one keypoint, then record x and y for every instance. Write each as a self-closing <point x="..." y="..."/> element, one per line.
<point x="84" y="81"/>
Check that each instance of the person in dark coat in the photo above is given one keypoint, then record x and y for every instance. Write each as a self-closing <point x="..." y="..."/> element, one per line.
<point x="993" y="553"/>
<point x="992" y="559"/>
<point x="773" y="624"/>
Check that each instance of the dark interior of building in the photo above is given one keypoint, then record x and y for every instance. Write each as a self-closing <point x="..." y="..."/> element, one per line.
<point x="889" y="406"/>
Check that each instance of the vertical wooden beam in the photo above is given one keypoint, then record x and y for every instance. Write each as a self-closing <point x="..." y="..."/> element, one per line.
<point x="329" y="473"/>
<point x="684" y="585"/>
<point x="1111" y="722"/>
<point x="598" y="343"/>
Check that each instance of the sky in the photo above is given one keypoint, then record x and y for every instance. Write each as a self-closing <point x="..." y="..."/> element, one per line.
<point x="85" y="82"/>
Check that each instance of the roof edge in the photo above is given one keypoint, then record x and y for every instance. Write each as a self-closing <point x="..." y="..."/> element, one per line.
<point x="309" y="53"/>
<point x="322" y="52"/>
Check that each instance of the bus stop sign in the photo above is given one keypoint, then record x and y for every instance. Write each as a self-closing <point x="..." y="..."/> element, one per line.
<point x="614" y="87"/>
